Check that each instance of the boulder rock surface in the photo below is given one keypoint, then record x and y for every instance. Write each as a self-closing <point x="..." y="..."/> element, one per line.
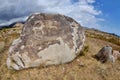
<point x="105" y="54"/>
<point x="46" y="39"/>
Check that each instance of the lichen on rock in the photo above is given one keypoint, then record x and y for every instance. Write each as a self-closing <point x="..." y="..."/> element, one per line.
<point x="46" y="39"/>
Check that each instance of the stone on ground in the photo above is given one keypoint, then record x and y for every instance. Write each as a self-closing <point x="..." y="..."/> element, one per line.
<point x="46" y="39"/>
<point x="105" y="54"/>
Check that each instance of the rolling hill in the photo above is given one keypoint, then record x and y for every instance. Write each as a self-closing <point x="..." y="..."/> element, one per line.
<point x="84" y="67"/>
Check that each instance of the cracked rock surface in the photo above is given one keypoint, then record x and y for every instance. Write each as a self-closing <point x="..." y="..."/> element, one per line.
<point x="46" y="39"/>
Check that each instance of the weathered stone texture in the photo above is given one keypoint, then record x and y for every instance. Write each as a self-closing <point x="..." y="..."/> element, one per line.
<point x="46" y="39"/>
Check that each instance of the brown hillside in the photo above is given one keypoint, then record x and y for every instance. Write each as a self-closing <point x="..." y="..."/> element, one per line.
<point x="84" y="67"/>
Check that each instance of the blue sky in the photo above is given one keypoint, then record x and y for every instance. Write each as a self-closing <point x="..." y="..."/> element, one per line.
<point x="100" y="14"/>
<point x="111" y="14"/>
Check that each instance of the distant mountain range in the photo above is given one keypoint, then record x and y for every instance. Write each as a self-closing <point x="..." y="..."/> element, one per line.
<point x="102" y="31"/>
<point x="11" y="25"/>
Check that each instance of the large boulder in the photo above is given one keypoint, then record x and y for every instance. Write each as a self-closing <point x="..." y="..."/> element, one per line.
<point x="105" y="54"/>
<point x="46" y="39"/>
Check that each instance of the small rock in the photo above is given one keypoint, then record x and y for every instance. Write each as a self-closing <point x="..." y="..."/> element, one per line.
<point x="78" y="60"/>
<point x="63" y="68"/>
<point x="81" y="64"/>
<point x="118" y="68"/>
<point x="116" y="54"/>
<point x="105" y="54"/>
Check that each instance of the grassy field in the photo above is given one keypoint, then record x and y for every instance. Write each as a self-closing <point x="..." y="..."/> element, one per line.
<point x="84" y="67"/>
<point x="102" y="36"/>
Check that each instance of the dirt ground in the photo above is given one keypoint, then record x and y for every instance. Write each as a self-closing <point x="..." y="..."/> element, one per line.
<point x="82" y="68"/>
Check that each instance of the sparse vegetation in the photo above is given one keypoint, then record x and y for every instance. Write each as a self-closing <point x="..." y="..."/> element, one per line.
<point x="92" y="70"/>
<point x="2" y="45"/>
<point x="103" y="36"/>
<point x="85" y="50"/>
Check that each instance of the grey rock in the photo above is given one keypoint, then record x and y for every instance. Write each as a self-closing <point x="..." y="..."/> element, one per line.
<point x="81" y="64"/>
<point x="105" y="54"/>
<point x="46" y="39"/>
<point x="116" y="54"/>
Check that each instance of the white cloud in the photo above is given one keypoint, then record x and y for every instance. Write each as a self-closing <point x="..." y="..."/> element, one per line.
<point x="83" y="11"/>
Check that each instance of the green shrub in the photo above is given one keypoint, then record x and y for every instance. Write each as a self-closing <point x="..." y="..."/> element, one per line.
<point x="85" y="50"/>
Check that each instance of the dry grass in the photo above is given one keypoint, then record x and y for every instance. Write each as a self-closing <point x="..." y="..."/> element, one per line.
<point x="82" y="68"/>
<point x="103" y="36"/>
<point x="2" y="45"/>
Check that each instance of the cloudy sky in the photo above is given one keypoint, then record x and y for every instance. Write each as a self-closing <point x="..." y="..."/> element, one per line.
<point x="100" y="14"/>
